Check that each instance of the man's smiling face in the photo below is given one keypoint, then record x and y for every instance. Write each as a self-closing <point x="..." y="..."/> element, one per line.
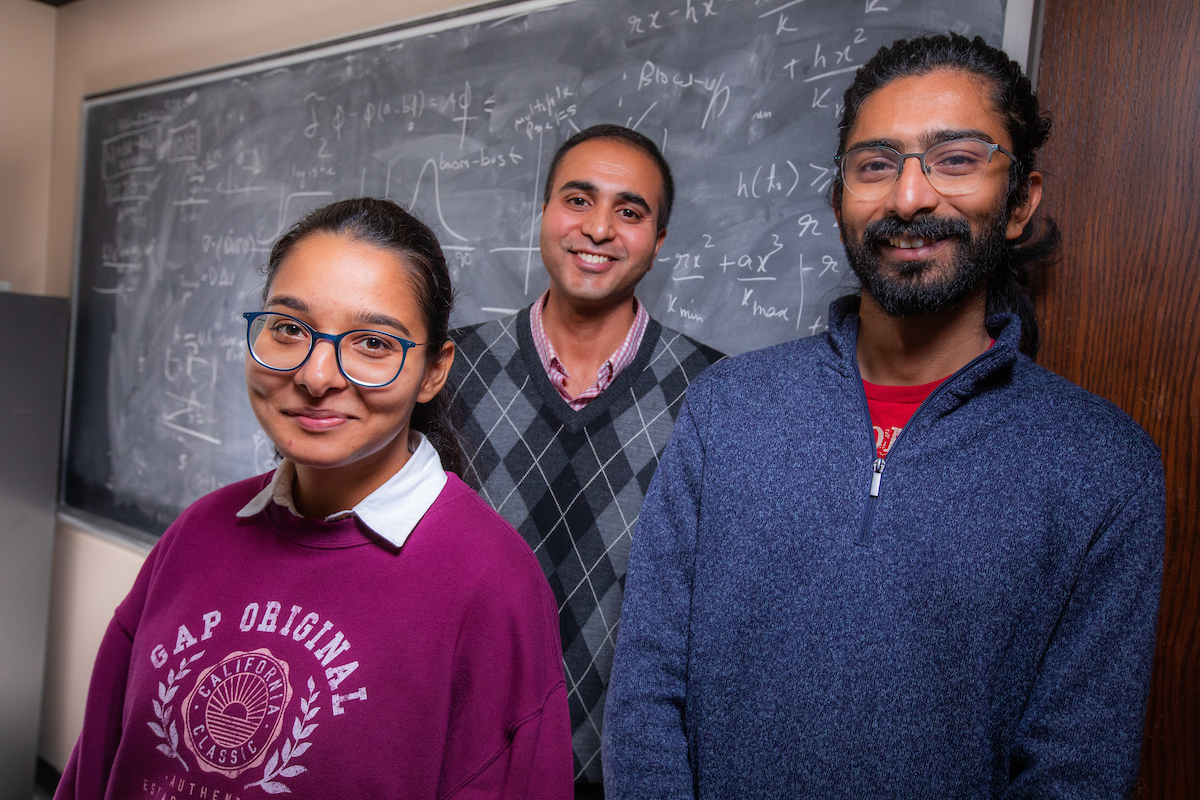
<point x="599" y="228"/>
<point x="916" y="250"/>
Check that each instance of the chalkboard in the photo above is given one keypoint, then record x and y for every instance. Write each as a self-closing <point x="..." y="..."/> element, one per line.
<point x="187" y="183"/>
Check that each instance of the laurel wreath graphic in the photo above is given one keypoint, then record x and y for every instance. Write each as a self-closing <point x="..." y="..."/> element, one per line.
<point x="278" y="765"/>
<point x="165" y="727"/>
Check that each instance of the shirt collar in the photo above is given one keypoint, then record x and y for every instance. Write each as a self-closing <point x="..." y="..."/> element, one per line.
<point x="616" y="361"/>
<point x="392" y="511"/>
<point x="541" y="342"/>
<point x="621" y="358"/>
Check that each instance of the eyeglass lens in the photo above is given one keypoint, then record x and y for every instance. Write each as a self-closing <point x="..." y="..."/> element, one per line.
<point x="954" y="167"/>
<point x="370" y="358"/>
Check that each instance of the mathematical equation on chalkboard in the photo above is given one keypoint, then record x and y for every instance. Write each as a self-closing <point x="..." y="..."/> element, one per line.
<point x="187" y="185"/>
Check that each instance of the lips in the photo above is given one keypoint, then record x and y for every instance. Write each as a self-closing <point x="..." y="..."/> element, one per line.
<point x="590" y="259"/>
<point x="917" y="234"/>
<point x="594" y="258"/>
<point x="316" y="420"/>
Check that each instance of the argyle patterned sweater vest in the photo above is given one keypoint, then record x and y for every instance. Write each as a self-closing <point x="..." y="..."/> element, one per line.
<point x="572" y="482"/>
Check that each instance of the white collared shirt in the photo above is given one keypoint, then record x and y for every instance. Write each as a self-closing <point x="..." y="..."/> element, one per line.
<point x="392" y="510"/>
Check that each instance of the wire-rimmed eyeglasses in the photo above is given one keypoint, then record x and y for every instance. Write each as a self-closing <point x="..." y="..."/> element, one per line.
<point x="366" y="358"/>
<point x="954" y="167"/>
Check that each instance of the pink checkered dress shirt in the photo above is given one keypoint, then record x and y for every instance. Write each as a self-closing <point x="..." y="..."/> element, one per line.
<point x="621" y="358"/>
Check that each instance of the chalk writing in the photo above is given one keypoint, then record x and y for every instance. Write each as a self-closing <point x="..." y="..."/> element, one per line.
<point x="823" y="179"/>
<point x="808" y="224"/>
<point x="228" y="244"/>
<point x="130" y="188"/>
<point x="183" y="143"/>
<point x="547" y="112"/>
<point x="136" y="151"/>
<point x="687" y="267"/>
<point x="769" y="312"/>
<point x="773" y="179"/>
<point x="673" y="307"/>
<point x="645" y="24"/>
<point x="187" y="186"/>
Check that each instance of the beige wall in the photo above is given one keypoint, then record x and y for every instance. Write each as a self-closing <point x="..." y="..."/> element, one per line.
<point x="101" y="45"/>
<point x="26" y="100"/>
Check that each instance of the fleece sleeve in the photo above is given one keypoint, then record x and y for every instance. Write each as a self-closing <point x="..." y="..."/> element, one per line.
<point x="1081" y="733"/>
<point x="645" y="747"/>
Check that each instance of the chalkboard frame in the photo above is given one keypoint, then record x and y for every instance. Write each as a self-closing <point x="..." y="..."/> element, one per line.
<point x="1021" y="29"/>
<point x="1022" y="24"/>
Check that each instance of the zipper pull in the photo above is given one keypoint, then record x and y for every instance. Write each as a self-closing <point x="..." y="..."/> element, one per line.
<point x="876" y="476"/>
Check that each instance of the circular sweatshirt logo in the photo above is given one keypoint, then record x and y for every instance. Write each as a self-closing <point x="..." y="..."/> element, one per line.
<point x="236" y="710"/>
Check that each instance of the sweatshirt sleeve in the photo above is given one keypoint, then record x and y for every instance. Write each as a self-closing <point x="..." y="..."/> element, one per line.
<point x="1081" y="733"/>
<point x="536" y="763"/>
<point x="645" y="748"/>
<point x="86" y="774"/>
<point x="509" y="734"/>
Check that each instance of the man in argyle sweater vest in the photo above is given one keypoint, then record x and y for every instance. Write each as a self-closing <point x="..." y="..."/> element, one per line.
<point x="566" y="405"/>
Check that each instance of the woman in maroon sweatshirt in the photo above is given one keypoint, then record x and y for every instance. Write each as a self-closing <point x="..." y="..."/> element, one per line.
<point x="357" y="623"/>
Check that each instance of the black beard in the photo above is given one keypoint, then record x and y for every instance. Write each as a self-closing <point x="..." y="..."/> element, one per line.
<point x="903" y="292"/>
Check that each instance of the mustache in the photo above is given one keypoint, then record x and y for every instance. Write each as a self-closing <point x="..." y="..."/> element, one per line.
<point x="929" y="227"/>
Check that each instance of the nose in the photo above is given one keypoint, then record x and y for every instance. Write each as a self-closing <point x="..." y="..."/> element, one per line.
<point x="912" y="193"/>
<point x="319" y="373"/>
<point x="597" y="224"/>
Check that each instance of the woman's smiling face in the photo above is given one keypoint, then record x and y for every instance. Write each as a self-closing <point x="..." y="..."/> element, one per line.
<point x="316" y="417"/>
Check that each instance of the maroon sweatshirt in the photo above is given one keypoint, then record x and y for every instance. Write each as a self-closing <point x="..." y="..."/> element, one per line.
<point x="282" y="655"/>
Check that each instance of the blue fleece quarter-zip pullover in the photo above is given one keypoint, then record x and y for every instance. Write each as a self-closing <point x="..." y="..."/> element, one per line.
<point x="975" y="620"/>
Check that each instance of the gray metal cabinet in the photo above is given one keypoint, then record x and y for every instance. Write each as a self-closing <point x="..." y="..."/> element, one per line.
<point x="33" y="357"/>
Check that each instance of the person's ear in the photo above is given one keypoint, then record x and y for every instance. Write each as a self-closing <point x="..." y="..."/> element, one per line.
<point x="1020" y="216"/>
<point x="437" y="370"/>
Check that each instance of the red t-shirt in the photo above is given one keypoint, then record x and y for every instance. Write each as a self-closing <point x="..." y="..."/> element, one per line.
<point x="891" y="407"/>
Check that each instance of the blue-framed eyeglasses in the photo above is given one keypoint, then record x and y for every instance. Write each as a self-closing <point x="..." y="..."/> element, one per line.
<point x="954" y="167"/>
<point x="283" y="343"/>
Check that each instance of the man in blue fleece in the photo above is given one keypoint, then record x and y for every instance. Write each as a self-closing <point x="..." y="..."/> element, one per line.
<point x="899" y="559"/>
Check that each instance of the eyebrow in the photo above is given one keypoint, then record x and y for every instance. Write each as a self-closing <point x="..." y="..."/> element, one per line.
<point x="625" y="197"/>
<point x="371" y="318"/>
<point x="577" y="186"/>
<point x="929" y="140"/>
<point x="287" y="301"/>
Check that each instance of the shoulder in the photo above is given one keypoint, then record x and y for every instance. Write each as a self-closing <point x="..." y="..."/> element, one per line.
<point x="208" y="521"/>
<point x="675" y="353"/>
<point x="488" y="569"/>
<point x="486" y="336"/>
<point x="474" y="537"/>
<point x="681" y="343"/>
<point x="761" y="372"/>
<point x="1085" y="420"/>
<point x="485" y="351"/>
<point x="192" y="534"/>
<point x="759" y="396"/>
<point x="220" y="506"/>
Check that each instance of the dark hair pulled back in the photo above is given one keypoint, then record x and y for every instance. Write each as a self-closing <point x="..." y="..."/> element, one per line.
<point x="1027" y="125"/>
<point x="384" y="224"/>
